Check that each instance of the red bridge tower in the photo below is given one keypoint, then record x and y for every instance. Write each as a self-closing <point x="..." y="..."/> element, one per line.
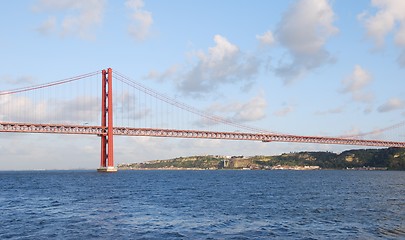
<point x="107" y="140"/>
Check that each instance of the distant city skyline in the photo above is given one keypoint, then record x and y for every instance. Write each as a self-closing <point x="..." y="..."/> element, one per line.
<point x="304" y="67"/>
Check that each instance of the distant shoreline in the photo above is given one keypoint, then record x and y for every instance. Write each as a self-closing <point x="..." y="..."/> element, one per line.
<point x="359" y="160"/>
<point x="200" y="169"/>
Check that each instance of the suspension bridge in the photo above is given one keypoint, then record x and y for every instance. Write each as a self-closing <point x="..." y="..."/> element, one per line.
<point x="88" y="104"/>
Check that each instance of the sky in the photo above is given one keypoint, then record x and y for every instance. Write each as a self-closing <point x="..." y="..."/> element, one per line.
<point x="304" y="67"/>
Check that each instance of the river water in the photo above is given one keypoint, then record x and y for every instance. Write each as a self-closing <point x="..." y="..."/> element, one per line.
<point x="202" y="205"/>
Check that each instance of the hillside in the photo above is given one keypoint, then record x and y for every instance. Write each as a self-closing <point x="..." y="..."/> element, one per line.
<point x="388" y="158"/>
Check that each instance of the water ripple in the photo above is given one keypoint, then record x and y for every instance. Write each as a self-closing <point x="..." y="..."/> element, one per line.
<point x="202" y="205"/>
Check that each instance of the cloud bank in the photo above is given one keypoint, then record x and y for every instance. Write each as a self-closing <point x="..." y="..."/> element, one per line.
<point x="221" y="64"/>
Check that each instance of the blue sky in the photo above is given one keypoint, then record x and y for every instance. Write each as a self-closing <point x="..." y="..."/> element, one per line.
<point x="310" y="67"/>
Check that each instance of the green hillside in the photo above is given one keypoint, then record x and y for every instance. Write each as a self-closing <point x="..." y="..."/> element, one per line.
<point x="388" y="158"/>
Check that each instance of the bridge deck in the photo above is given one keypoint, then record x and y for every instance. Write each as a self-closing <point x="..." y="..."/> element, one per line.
<point x="123" y="131"/>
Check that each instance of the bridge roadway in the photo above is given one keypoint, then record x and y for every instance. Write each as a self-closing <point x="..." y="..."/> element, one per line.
<point x="124" y="131"/>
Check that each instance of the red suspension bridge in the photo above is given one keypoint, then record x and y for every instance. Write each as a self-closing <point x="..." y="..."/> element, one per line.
<point x="58" y="107"/>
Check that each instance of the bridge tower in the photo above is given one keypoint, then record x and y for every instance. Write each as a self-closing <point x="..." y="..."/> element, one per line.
<point x="107" y="140"/>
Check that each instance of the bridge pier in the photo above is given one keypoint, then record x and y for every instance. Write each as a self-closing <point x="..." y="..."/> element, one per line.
<point x="107" y="143"/>
<point x="107" y="169"/>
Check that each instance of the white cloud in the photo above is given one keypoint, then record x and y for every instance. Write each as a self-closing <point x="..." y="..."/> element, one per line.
<point x="355" y="84"/>
<point x="20" y="109"/>
<point x="389" y="17"/>
<point x="168" y="74"/>
<point x="206" y="71"/>
<point x="284" y="111"/>
<point x="26" y="109"/>
<point x="401" y="59"/>
<point x="223" y="63"/>
<point x="365" y="97"/>
<point x="336" y="110"/>
<point x="266" y="39"/>
<point x="354" y="131"/>
<point x="48" y="26"/>
<point x="254" y="109"/>
<point x="79" y="17"/>
<point x="242" y="112"/>
<point x="79" y="109"/>
<point x="303" y="31"/>
<point x="359" y="79"/>
<point x="392" y="105"/>
<point x="124" y="104"/>
<point x="135" y="4"/>
<point x="17" y="80"/>
<point x="141" y="20"/>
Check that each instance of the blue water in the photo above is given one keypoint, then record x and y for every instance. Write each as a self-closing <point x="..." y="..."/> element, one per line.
<point x="202" y="205"/>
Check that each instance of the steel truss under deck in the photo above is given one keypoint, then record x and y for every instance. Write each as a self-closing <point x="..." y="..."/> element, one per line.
<point x="173" y="133"/>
